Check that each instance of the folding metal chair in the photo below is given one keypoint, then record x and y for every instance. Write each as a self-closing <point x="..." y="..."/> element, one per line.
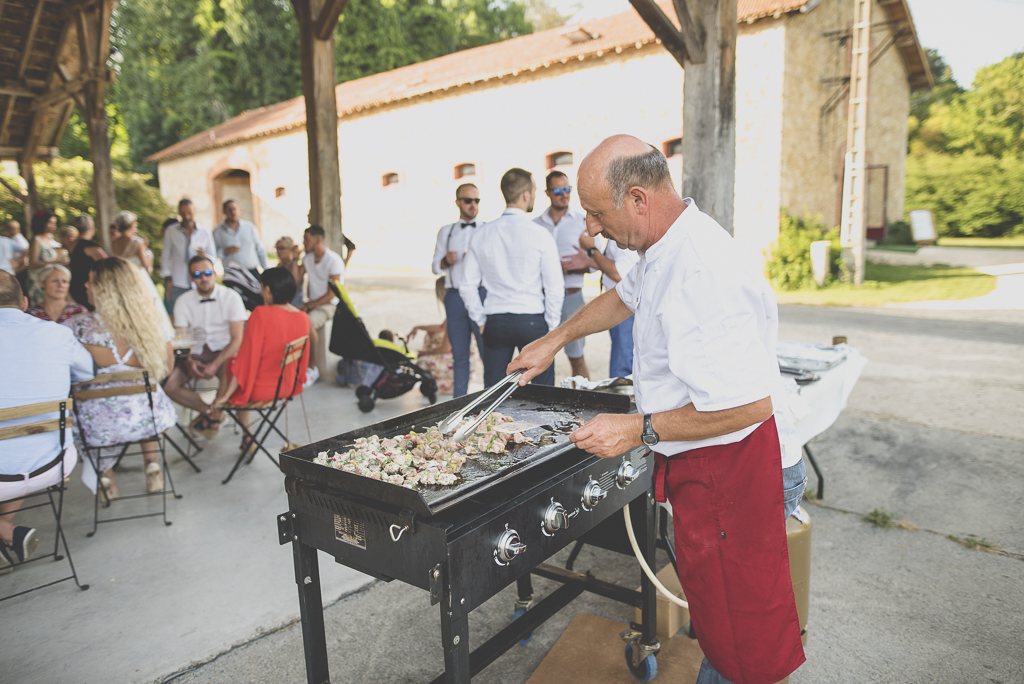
<point x="62" y="407"/>
<point x="269" y="411"/>
<point x="94" y="452"/>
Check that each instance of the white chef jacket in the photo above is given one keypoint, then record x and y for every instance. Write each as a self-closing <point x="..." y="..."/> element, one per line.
<point x="517" y="261"/>
<point x="624" y="260"/>
<point x="567" y="237"/>
<point x="454" y="237"/>
<point x="179" y="248"/>
<point x="705" y="330"/>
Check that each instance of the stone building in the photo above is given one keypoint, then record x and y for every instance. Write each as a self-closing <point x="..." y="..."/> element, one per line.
<point x="410" y="136"/>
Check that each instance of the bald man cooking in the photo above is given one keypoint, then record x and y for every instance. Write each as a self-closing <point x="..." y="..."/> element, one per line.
<point x="704" y="372"/>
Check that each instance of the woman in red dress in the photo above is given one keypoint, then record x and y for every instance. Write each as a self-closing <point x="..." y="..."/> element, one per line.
<point x="253" y="373"/>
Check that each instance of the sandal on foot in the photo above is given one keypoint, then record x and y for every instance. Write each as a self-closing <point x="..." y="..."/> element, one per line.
<point x="206" y="427"/>
<point x="109" y="490"/>
<point x="154" y="477"/>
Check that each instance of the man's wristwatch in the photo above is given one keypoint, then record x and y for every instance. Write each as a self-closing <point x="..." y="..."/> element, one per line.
<point x="649" y="437"/>
<point x="590" y="252"/>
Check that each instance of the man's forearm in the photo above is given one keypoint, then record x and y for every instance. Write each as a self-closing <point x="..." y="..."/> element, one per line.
<point x="320" y="302"/>
<point x="687" y="424"/>
<point x="602" y="313"/>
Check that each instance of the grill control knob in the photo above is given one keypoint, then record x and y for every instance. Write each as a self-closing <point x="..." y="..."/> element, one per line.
<point x="593" y="494"/>
<point x="627" y="473"/>
<point x="555" y="518"/>
<point x="509" y="546"/>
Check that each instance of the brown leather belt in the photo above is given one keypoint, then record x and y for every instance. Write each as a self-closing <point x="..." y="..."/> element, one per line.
<point x="35" y="473"/>
<point x="573" y="290"/>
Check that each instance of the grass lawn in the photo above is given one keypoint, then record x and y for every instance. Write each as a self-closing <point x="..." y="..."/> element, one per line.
<point x="998" y="243"/>
<point x="897" y="248"/>
<point x="886" y="284"/>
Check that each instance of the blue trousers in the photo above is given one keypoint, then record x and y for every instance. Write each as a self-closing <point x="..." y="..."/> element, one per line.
<point x="621" y="363"/>
<point x="503" y="334"/>
<point x="460" y="331"/>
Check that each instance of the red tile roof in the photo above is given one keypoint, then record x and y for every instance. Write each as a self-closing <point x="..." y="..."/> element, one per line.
<point x="541" y="50"/>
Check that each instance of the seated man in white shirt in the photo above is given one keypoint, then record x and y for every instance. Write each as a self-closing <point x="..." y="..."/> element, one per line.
<point x="517" y="262"/>
<point x="49" y="360"/>
<point x="216" y="316"/>
<point x="321" y="266"/>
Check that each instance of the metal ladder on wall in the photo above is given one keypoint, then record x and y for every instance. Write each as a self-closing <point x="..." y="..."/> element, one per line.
<point x="855" y="173"/>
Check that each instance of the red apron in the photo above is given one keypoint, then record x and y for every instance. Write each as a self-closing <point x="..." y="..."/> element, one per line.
<point x="733" y="556"/>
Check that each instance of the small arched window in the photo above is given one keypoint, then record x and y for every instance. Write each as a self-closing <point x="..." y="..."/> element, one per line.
<point x="389" y="179"/>
<point x="673" y="147"/>
<point x="559" y="159"/>
<point x="463" y="170"/>
<point x="279" y="191"/>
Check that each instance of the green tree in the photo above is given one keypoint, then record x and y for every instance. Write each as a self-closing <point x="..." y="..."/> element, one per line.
<point x="989" y="118"/>
<point x="946" y="89"/>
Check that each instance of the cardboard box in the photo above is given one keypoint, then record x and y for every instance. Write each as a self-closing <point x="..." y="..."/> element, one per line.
<point x="671" y="617"/>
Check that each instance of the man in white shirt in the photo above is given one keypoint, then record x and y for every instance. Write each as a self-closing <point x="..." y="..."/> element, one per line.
<point x="566" y="225"/>
<point x="238" y="242"/>
<point x="614" y="263"/>
<point x="516" y="261"/>
<point x="449" y="260"/>
<point x="705" y="372"/>
<point x="182" y="241"/>
<point x="216" y="316"/>
<point x="322" y="266"/>
<point x="49" y="359"/>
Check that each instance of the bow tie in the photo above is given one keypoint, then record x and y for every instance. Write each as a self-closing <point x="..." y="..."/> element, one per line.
<point x="472" y="225"/>
<point x="203" y="301"/>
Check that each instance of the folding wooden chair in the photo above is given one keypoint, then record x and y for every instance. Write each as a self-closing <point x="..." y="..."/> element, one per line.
<point x="269" y="411"/>
<point x="94" y="452"/>
<point x="62" y="407"/>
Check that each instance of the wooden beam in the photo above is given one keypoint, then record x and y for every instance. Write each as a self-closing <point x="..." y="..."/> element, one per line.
<point x="663" y="28"/>
<point x="2" y="3"/>
<point x="11" y="152"/>
<point x="28" y="174"/>
<point x="32" y="27"/>
<point x="318" y="90"/>
<point x="69" y="109"/>
<point x="19" y="91"/>
<point x="15" y="193"/>
<point x="63" y="92"/>
<point x="709" y="114"/>
<point x="6" y="121"/>
<point x="691" y="33"/>
<point x="327" y="18"/>
<point x="85" y="42"/>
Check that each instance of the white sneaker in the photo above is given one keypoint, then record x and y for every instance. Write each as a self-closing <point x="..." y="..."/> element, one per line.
<point x="312" y="375"/>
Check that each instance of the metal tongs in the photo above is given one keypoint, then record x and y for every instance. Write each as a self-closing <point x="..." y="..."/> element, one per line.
<point x="449" y="424"/>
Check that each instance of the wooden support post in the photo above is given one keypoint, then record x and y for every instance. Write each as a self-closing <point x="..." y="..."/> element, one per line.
<point x="709" y="112"/>
<point x="318" y="89"/>
<point x="31" y="204"/>
<point x="94" y="49"/>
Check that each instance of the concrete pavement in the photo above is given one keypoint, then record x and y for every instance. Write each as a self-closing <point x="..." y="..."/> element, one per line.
<point x="932" y="433"/>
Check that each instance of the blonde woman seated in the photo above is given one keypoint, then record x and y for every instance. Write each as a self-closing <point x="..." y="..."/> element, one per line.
<point x="123" y="333"/>
<point x="55" y="281"/>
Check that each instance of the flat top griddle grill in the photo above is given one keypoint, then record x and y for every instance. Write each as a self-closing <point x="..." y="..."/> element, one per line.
<point x="556" y="411"/>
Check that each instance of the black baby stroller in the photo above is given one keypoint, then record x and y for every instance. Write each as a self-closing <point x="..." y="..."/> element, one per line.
<point x="350" y="340"/>
<point x="244" y="283"/>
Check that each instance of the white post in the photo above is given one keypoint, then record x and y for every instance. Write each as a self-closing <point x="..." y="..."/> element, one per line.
<point x="855" y="173"/>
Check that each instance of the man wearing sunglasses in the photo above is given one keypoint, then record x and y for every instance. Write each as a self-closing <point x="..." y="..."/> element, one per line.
<point x="216" y="316"/>
<point x="566" y="225"/>
<point x="449" y="254"/>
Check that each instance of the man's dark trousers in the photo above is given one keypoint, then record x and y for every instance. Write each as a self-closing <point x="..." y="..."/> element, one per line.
<point x="503" y="335"/>
<point x="460" y="330"/>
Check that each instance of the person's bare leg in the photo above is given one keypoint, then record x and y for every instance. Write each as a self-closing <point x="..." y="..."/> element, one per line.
<point x="177" y="389"/>
<point x="314" y="339"/>
<point x="7" y="511"/>
<point x="579" y="367"/>
<point x="154" y="477"/>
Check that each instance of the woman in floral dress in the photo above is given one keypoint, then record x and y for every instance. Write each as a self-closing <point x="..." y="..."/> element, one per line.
<point x="124" y="333"/>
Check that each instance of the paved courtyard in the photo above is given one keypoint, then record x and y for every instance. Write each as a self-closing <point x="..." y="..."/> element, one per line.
<point x="933" y="434"/>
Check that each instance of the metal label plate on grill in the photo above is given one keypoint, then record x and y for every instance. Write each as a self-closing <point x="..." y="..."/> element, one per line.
<point x="350" y="531"/>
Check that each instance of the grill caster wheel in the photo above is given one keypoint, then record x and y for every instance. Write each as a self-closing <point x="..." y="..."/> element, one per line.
<point x="366" y="404"/>
<point x="520" y="612"/>
<point x="648" y="669"/>
<point x="429" y="390"/>
<point x="362" y="391"/>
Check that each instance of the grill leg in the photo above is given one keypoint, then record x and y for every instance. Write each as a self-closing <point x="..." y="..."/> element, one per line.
<point x="647" y="537"/>
<point x="524" y="588"/>
<point x="311" y="609"/>
<point x="454" y="633"/>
